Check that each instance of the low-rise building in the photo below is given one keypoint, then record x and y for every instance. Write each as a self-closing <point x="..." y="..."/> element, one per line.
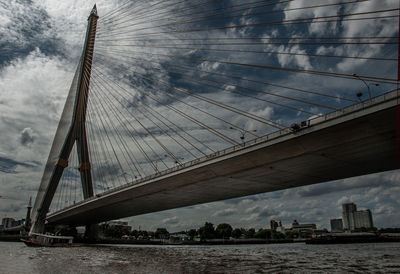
<point x="121" y="225"/>
<point x="303" y="227"/>
<point x="17" y="223"/>
<point x="179" y="237"/>
<point x="7" y="222"/>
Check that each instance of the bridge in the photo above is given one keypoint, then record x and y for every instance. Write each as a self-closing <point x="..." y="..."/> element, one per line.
<point x="356" y="141"/>
<point x="165" y="111"/>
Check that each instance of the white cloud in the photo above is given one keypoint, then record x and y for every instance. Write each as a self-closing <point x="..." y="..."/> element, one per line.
<point x="32" y="102"/>
<point x="320" y="28"/>
<point x="170" y="221"/>
<point x="287" y="60"/>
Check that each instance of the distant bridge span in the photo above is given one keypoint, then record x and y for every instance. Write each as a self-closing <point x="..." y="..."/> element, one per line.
<point x="357" y="140"/>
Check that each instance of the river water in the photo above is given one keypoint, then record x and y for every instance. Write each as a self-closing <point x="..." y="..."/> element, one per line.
<point x="273" y="258"/>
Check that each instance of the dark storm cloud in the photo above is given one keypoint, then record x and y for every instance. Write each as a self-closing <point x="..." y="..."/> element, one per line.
<point x="12" y="208"/>
<point x="254" y="198"/>
<point x="225" y="212"/>
<point x="27" y="136"/>
<point x="29" y="27"/>
<point x="8" y="165"/>
<point x="266" y="212"/>
<point x="324" y="188"/>
<point x="36" y="163"/>
<point x="258" y="212"/>
<point x="108" y="169"/>
<point x="23" y="186"/>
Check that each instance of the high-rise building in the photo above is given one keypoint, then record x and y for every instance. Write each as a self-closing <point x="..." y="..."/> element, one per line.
<point x="273" y="224"/>
<point x="336" y="225"/>
<point x="121" y="225"/>
<point x="363" y="219"/>
<point x="348" y="215"/>
<point x="353" y="219"/>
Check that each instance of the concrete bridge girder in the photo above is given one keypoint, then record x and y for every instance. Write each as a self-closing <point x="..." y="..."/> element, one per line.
<point x="358" y="143"/>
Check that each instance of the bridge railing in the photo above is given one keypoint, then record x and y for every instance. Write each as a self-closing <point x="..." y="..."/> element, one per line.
<point x="311" y="122"/>
<point x="277" y="134"/>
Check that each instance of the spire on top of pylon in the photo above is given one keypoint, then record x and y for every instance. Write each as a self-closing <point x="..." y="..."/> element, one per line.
<point x="94" y="11"/>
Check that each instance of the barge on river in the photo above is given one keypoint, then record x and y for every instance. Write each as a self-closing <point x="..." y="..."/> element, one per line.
<point x="46" y="240"/>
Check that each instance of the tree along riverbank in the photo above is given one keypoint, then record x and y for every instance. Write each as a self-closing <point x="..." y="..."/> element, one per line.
<point x="190" y="242"/>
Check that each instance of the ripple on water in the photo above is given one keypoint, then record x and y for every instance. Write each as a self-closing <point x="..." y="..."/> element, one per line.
<point x="285" y="258"/>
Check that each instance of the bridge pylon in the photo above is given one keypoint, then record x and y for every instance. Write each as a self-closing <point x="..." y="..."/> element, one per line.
<point x="71" y="130"/>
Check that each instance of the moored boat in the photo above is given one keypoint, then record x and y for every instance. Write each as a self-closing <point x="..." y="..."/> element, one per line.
<point x="46" y="240"/>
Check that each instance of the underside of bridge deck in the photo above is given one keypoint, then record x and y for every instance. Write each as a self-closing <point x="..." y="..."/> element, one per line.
<point x="355" y="144"/>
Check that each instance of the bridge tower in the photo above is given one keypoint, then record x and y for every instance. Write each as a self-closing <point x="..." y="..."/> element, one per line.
<point x="71" y="130"/>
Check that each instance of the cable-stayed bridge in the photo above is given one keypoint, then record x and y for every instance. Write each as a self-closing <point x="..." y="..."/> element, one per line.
<point x="176" y="103"/>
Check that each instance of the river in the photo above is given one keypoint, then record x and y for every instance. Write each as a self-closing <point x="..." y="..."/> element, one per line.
<point x="273" y="258"/>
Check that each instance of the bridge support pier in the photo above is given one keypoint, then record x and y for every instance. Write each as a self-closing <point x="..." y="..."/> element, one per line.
<point x="91" y="233"/>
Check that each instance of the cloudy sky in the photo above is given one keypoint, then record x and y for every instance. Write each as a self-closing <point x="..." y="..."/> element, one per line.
<point x="40" y="46"/>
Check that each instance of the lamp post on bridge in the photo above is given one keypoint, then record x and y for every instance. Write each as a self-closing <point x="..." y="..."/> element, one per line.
<point x="243" y="132"/>
<point x="175" y="159"/>
<point x="133" y="177"/>
<point x="359" y="94"/>
<point x="178" y="159"/>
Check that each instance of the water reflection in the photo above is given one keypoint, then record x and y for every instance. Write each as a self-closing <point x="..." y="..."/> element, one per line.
<point x="283" y="258"/>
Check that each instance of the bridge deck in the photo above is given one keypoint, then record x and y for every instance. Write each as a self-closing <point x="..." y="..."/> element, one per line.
<point x="358" y="140"/>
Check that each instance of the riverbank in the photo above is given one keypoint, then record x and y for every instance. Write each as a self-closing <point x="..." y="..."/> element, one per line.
<point x="17" y="238"/>
<point x="11" y="238"/>
<point x="327" y="239"/>
<point x="353" y="238"/>
<point x="205" y="242"/>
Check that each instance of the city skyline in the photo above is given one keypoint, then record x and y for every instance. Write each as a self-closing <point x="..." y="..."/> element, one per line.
<point x="351" y="220"/>
<point x="286" y="222"/>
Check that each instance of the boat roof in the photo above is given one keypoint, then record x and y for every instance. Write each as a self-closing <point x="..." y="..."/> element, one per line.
<point x="52" y="236"/>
